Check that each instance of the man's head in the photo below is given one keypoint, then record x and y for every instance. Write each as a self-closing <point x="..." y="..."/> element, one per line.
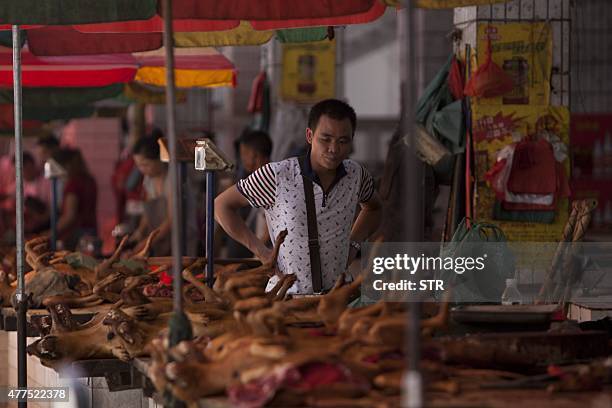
<point x="46" y="146"/>
<point x="255" y="149"/>
<point x="331" y="126"/>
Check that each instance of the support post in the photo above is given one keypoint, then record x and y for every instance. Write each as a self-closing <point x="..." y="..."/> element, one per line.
<point x="22" y="300"/>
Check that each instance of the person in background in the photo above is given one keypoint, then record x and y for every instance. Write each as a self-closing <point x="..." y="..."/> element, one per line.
<point x="46" y="146"/>
<point x="255" y="148"/>
<point x="158" y="203"/>
<point x="37" y="196"/>
<point x="35" y="187"/>
<point x="34" y="184"/>
<point x="126" y="182"/>
<point x="339" y="187"/>
<point x="78" y="214"/>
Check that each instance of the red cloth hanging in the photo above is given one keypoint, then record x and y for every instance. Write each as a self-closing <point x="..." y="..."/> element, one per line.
<point x="257" y="93"/>
<point x="562" y="190"/>
<point x="534" y="169"/>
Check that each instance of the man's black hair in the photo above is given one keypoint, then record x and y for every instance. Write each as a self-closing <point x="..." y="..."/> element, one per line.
<point x="148" y="147"/>
<point x="48" y="141"/>
<point x="257" y="140"/>
<point x="335" y="109"/>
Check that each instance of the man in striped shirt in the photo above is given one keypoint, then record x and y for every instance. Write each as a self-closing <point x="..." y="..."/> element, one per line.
<point x="340" y="186"/>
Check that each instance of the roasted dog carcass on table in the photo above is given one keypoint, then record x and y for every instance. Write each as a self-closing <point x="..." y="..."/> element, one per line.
<point x="72" y="278"/>
<point x="267" y="360"/>
<point x="134" y="320"/>
<point x="260" y="348"/>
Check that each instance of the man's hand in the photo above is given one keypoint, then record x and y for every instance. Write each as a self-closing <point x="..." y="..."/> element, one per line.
<point x="263" y="253"/>
<point x="227" y="205"/>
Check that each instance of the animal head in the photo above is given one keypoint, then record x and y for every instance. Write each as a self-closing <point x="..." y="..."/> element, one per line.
<point x="61" y="316"/>
<point x="45" y="348"/>
<point x="123" y="326"/>
<point x="42" y="324"/>
<point x="113" y="277"/>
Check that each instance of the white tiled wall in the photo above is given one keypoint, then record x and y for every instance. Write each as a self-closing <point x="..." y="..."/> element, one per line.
<point x="3" y="358"/>
<point x="96" y="391"/>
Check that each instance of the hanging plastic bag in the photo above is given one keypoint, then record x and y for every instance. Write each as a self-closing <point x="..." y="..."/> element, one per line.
<point x="489" y="80"/>
<point x="484" y="285"/>
<point x="497" y="176"/>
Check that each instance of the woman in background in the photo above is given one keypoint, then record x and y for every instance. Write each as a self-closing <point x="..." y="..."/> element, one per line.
<point x="78" y="216"/>
<point x="158" y="203"/>
<point x="156" y="206"/>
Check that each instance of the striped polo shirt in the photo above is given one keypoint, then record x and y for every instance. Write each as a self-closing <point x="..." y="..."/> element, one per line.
<point x="279" y="189"/>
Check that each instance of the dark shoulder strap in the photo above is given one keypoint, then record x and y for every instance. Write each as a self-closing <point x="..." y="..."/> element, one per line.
<point x="313" y="235"/>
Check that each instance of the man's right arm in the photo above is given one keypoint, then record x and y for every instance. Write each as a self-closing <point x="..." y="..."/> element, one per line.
<point x="227" y="205"/>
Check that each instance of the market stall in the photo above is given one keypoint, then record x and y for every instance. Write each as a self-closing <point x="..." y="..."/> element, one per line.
<point x="207" y="331"/>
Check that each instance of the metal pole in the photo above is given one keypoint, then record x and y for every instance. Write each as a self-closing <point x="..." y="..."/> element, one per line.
<point x="22" y="368"/>
<point x="171" y="130"/>
<point x="210" y="226"/>
<point x="182" y="186"/>
<point x="180" y="327"/>
<point x="53" y="213"/>
<point x="413" y="188"/>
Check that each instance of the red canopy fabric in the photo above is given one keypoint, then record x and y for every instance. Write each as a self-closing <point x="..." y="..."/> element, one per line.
<point x="57" y="41"/>
<point x="185" y="58"/>
<point x="156" y="25"/>
<point x="8" y="27"/>
<point x="51" y="72"/>
<point x="267" y="9"/>
<point x="214" y="15"/>
<point x="200" y="67"/>
<point x="194" y="67"/>
<point x="376" y="10"/>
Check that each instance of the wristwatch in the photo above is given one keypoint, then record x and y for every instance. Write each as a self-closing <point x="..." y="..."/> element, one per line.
<point x="356" y="245"/>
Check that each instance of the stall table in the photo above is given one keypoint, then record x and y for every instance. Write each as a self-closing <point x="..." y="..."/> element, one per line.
<point x="8" y="317"/>
<point x="474" y="396"/>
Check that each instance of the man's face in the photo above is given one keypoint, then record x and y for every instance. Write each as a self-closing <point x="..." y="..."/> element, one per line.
<point x="330" y="142"/>
<point x="248" y="158"/>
